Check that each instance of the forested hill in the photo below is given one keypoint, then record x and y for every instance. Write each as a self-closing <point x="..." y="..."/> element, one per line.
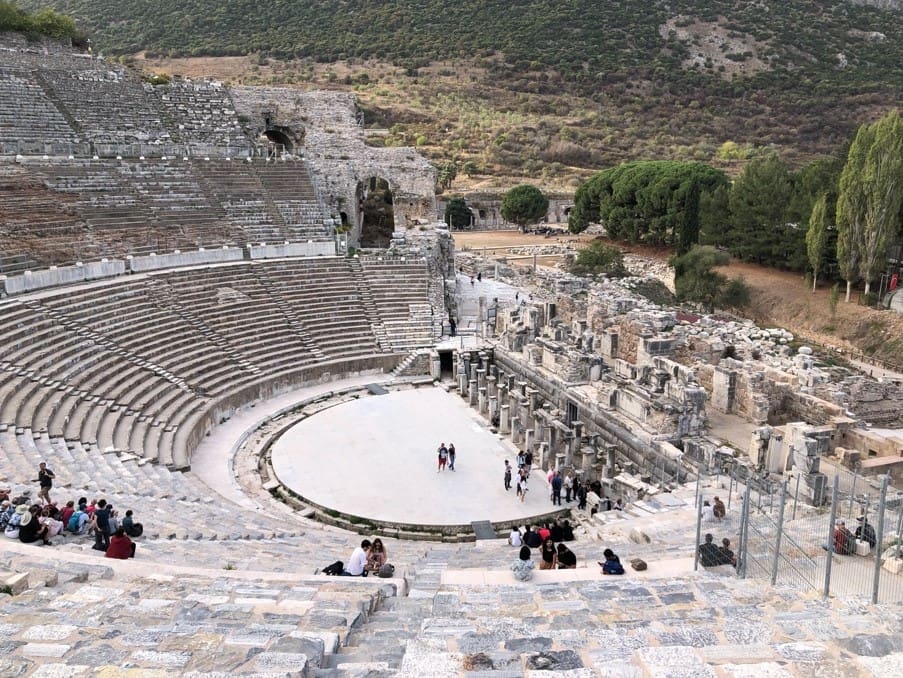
<point x="623" y="78"/>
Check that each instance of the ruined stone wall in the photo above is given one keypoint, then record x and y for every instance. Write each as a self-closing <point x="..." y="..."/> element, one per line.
<point x="340" y="160"/>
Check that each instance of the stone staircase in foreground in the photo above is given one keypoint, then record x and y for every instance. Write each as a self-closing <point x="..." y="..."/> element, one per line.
<point x="151" y="615"/>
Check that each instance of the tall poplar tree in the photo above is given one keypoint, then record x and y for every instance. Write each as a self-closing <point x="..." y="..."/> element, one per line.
<point x="870" y="198"/>
<point x="817" y="236"/>
<point x="883" y="187"/>
<point x="850" y="214"/>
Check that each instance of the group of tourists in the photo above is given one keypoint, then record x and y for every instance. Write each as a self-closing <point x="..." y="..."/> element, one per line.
<point x="38" y="522"/>
<point x="551" y="556"/>
<point x="712" y="555"/>
<point x="371" y="557"/>
<point x="446" y="457"/>
<point x="845" y="542"/>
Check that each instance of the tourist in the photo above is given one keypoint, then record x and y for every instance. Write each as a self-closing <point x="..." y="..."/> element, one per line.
<point x="865" y="532"/>
<point x="453" y="326"/>
<point x="30" y="529"/>
<point x="568" y="487"/>
<point x="544" y="532"/>
<point x="708" y="513"/>
<point x="50" y="519"/>
<point x="443" y="457"/>
<point x="507" y="476"/>
<point x="100" y="521"/>
<point x="78" y="521"/>
<point x="844" y="541"/>
<point x="709" y="554"/>
<point x="605" y="503"/>
<point x="132" y="528"/>
<point x="567" y="559"/>
<point x="548" y="555"/>
<point x="523" y="566"/>
<point x="45" y="479"/>
<point x="357" y="565"/>
<point x="727" y="556"/>
<point x="619" y="504"/>
<point x="7" y="511"/>
<point x="377" y="556"/>
<point x="121" y="547"/>
<point x="612" y="564"/>
<point x="528" y="461"/>
<point x="471" y="281"/>
<point x="480" y="276"/>
<point x="514" y="538"/>
<point x="556" y="532"/>
<point x="581" y="497"/>
<point x="567" y="532"/>
<point x="556" y="488"/>
<point x="451" y="456"/>
<point x="532" y="538"/>
<point x="12" y="525"/>
<point x="67" y="512"/>
<point x="521" y="487"/>
<point x="520" y="459"/>
<point x="718" y="509"/>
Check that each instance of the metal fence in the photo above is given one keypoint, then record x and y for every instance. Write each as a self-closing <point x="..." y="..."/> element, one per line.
<point x="851" y="546"/>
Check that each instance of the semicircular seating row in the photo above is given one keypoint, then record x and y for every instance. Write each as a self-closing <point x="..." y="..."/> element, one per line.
<point x="146" y="365"/>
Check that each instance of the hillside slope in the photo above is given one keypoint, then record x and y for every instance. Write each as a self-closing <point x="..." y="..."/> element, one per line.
<point x="581" y="84"/>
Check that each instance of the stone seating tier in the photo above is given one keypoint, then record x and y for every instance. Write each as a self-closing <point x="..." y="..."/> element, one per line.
<point x="133" y="364"/>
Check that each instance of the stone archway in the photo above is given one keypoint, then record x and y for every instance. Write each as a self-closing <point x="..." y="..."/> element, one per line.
<point x="377" y="210"/>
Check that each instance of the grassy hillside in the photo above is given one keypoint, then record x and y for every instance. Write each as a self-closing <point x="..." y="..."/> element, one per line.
<point x="529" y="86"/>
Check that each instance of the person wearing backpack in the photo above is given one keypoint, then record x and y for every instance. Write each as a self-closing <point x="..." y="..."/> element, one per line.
<point x="612" y="564"/>
<point x="77" y="521"/>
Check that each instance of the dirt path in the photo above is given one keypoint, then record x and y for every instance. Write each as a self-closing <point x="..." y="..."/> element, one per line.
<point x="779" y="299"/>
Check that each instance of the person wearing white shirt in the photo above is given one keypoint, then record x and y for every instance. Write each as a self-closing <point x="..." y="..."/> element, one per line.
<point x="514" y="538"/>
<point x="358" y="562"/>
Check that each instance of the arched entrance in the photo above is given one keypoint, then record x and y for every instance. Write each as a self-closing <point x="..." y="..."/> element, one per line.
<point x="377" y="212"/>
<point x="279" y="138"/>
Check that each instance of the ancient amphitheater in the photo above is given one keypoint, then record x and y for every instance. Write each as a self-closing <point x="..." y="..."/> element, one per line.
<point x="190" y="273"/>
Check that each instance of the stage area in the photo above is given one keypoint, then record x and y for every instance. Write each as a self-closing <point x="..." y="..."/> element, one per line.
<point x="376" y="457"/>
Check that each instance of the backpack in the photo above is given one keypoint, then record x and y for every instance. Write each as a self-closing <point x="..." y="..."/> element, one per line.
<point x="638" y="564"/>
<point x="72" y="526"/>
<point x="334" y="569"/>
<point x="137" y="530"/>
<point x="387" y="571"/>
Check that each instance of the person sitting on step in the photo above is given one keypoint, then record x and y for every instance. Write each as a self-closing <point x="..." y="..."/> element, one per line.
<point x="121" y="547"/>
<point x="377" y="556"/>
<point x="523" y="566"/>
<point x="567" y="559"/>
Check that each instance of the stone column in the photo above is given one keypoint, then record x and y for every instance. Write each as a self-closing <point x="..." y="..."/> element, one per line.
<point x="472" y="392"/>
<point x="481" y="378"/>
<point x="588" y="455"/>
<point x="490" y="386"/>
<point x="462" y="383"/>
<point x="504" y="421"/>
<point x="528" y="440"/>
<point x="559" y="461"/>
<point x="483" y="401"/>
<point x="542" y="453"/>
<point x="515" y="431"/>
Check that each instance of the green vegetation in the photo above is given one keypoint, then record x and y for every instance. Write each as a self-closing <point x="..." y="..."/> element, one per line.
<point x="695" y="279"/>
<point x="548" y="90"/>
<point x="524" y="205"/>
<point x="457" y="213"/>
<point x="599" y="258"/>
<point x="646" y="201"/>
<point x="45" y="22"/>
<point x="870" y="201"/>
<point x="817" y="238"/>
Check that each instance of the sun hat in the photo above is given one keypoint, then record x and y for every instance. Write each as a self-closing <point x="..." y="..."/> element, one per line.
<point x="22" y="509"/>
<point x="26" y="518"/>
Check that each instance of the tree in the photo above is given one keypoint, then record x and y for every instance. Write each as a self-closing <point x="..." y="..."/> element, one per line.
<point x="596" y="258"/>
<point x="655" y="202"/>
<point x="457" y="213"/>
<point x="447" y="174"/>
<point x="850" y="215"/>
<point x="817" y="236"/>
<point x="759" y="230"/>
<point x="882" y="184"/>
<point x="523" y="205"/>
<point x="694" y="279"/>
